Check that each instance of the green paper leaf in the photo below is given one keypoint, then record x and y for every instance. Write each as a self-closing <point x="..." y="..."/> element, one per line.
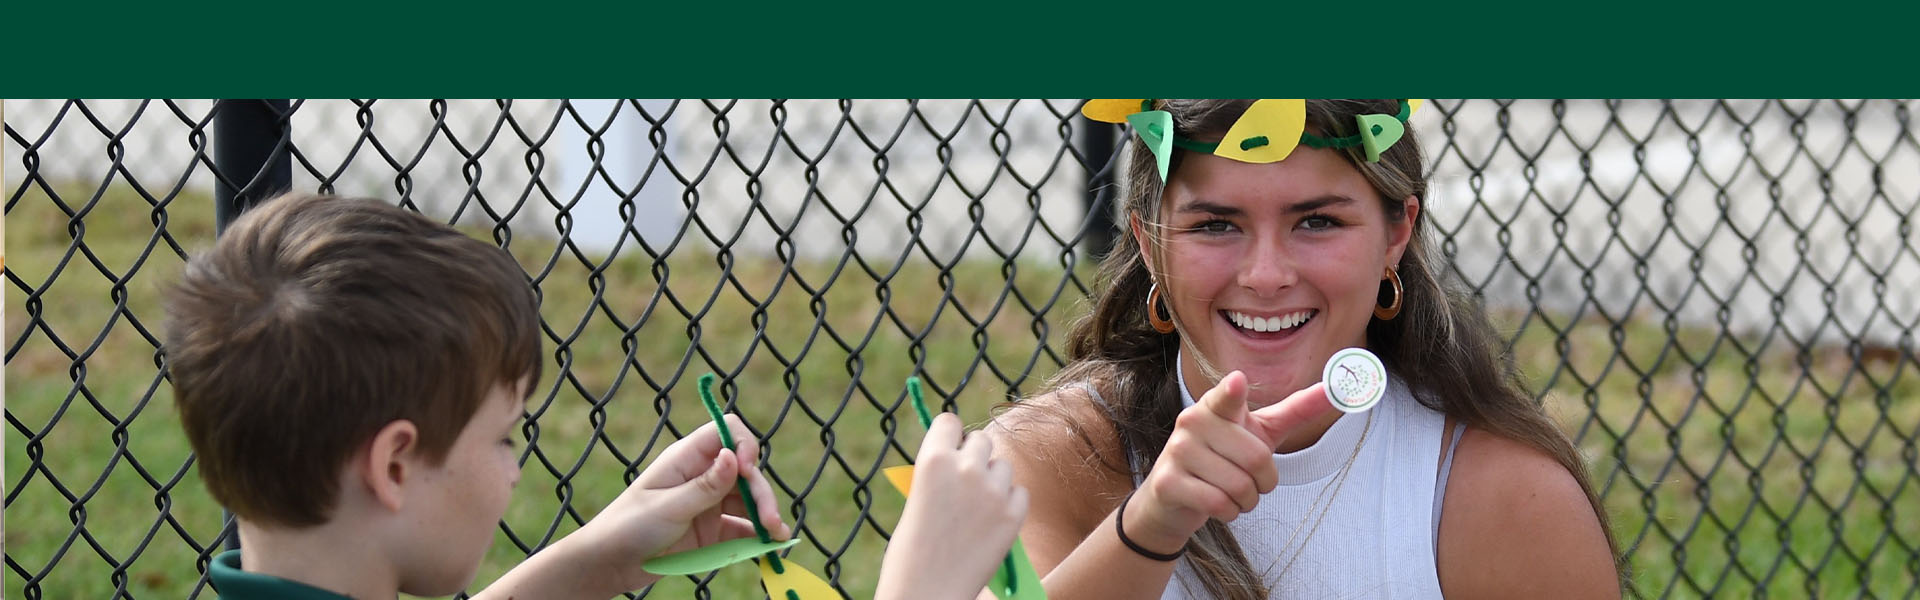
<point x="712" y="558"/>
<point x="1378" y="133"/>
<point x="1155" y="127"/>
<point x="1026" y="582"/>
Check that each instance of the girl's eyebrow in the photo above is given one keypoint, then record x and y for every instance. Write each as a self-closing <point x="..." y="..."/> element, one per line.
<point x="1210" y="208"/>
<point x="1318" y="203"/>
<point x="1304" y="206"/>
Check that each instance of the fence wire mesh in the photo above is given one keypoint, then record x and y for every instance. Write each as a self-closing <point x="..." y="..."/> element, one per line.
<point x="1714" y="297"/>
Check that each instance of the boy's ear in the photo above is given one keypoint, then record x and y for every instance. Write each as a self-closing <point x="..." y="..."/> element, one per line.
<point x="388" y="463"/>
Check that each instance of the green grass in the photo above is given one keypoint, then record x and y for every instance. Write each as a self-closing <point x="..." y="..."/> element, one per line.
<point x="1745" y="462"/>
<point x="1722" y="467"/>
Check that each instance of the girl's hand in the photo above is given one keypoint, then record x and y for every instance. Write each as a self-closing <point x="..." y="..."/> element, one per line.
<point x="1216" y="464"/>
<point x="960" y="520"/>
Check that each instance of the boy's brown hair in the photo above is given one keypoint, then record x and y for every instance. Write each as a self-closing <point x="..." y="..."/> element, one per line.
<point x="315" y="321"/>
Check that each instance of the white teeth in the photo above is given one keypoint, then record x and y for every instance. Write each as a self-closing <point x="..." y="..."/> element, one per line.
<point x="1269" y="324"/>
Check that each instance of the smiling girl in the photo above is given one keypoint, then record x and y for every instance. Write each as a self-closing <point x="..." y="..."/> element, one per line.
<point x="1244" y="272"/>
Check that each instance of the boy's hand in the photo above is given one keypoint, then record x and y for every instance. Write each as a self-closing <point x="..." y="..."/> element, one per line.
<point x="960" y="520"/>
<point x="686" y="499"/>
<point x="691" y="491"/>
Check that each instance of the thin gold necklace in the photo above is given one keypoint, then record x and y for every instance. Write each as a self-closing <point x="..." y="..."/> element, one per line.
<point x="1331" y="488"/>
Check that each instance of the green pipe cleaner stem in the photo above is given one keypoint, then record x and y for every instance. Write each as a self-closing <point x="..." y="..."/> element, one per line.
<point x="919" y="401"/>
<point x="746" y="494"/>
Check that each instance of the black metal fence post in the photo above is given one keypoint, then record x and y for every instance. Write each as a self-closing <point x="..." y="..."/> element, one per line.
<point x="1096" y="146"/>
<point x="252" y="160"/>
<point x="252" y="150"/>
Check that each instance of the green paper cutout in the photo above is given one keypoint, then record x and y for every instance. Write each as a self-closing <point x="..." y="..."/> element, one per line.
<point x="1155" y="127"/>
<point x="1017" y="580"/>
<point x="712" y="558"/>
<point x="1379" y="132"/>
<point x="726" y="441"/>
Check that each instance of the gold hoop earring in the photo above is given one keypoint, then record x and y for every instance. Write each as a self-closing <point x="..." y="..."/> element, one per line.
<point x="1154" y="307"/>
<point x="1387" y="313"/>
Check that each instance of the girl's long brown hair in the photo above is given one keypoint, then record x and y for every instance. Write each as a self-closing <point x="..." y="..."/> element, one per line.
<point x="1441" y="344"/>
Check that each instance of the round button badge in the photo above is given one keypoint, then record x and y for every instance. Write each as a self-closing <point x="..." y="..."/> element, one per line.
<point x="1356" y="380"/>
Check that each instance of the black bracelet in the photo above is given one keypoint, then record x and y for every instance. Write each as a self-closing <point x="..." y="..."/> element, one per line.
<point x="1120" y="517"/>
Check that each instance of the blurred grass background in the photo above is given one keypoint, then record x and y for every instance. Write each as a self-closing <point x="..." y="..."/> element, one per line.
<point x="1726" y="461"/>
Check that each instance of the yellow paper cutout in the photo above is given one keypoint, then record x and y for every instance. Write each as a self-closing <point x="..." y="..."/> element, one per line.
<point x="1413" y="106"/>
<point x="803" y="583"/>
<point x="901" y="477"/>
<point x="1110" y="111"/>
<point x="1280" y="121"/>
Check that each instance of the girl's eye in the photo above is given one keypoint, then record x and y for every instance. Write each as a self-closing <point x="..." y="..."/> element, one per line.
<point x="1214" y="226"/>
<point x="508" y="442"/>
<point x="1317" y="222"/>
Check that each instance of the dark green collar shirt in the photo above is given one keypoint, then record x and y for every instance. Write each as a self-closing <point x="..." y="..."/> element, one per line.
<point x="235" y="584"/>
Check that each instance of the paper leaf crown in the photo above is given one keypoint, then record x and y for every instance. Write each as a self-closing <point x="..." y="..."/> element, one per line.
<point x="1267" y="132"/>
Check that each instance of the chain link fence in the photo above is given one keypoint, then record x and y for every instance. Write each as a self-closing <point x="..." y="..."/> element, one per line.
<point x="1715" y="297"/>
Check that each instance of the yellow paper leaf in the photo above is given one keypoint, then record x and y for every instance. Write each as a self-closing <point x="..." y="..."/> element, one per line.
<point x="1280" y="121"/>
<point x="901" y="477"/>
<point x="802" y="582"/>
<point x="1110" y="111"/>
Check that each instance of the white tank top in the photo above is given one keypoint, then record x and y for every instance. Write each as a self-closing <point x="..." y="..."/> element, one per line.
<point x="1376" y="538"/>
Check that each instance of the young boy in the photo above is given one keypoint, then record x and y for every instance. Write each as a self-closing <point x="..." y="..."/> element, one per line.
<point x="350" y="376"/>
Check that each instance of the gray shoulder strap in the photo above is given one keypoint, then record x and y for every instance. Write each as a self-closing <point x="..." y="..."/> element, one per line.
<point x="1440" y="483"/>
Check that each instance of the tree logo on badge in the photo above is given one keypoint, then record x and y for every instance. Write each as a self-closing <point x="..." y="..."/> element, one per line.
<point x="1356" y="379"/>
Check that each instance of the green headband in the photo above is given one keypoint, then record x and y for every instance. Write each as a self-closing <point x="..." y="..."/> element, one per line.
<point x="1267" y="132"/>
